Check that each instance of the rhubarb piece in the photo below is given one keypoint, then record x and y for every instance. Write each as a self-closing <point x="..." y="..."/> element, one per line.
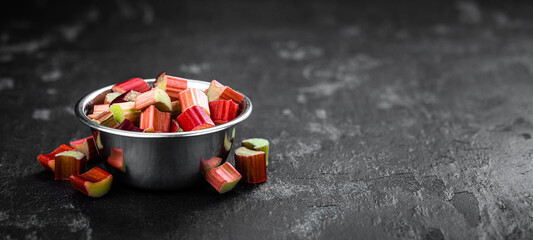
<point x="218" y="91"/>
<point x="128" y="96"/>
<point x="205" y="165"/>
<point x="137" y="84"/>
<point x="125" y="110"/>
<point x="257" y="144"/>
<point x="153" y="120"/>
<point x="226" y="147"/>
<point x="251" y="164"/>
<point x="193" y="97"/>
<point x="176" y="109"/>
<point x="110" y="97"/>
<point x="97" y="109"/>
<point x="116" y="159"/>
<point x="174" y="126"/>
<point x="68" y="163"/>
<point x="156" y="97"/>
<point x="87" y="146"/>
<point x="223" y="111"/>
<point x="106" y="119"/>
<point x="175" y="85"/>
<point x="98" y="141"/>
<point x="194" y="118"/>
<point x="230" y="94"/>
<point x="127" y="125"/>
<point x="48" y="160"/>
<point x="161" y="81"/>
<point x="94" y="183"/>
<point x="223" y="178"/>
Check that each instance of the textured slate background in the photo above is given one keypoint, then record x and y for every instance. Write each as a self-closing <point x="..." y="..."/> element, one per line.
<point x="407" y="120"/>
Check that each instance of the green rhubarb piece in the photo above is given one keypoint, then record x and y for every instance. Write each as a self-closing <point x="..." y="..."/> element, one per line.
<point x="111" y="96"/>
<point x="125" y="110"/>
<point x="257" y="144"/>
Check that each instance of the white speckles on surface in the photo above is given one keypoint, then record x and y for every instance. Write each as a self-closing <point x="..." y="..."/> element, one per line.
<point x="28" y="47"/>
<point x="301" y="98"/>
<point x="390" y="98"/>
<point x="293" y="50"/>
<point x="194" y="68"/>
<point x="330" y="131"/>
<point x="41" y="114"/>
<point x="3" y="216"/>
<point x="321" y="113"/>
<point x="287" y="112"/>
<point x="469" y="12"/>
<point x="52" y="75"/>
<point x="78" y="222"/>
<point x="278" y="189"/>
<point x="6" y="84"/>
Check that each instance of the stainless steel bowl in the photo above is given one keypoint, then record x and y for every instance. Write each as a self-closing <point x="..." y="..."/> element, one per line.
<point x="159" y="161"/>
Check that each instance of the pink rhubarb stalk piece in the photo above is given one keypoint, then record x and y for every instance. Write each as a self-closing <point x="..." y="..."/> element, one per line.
<point x="218" y="91"/>
<point x="137" y="84"/>
<point x="193" y="97"/>
<point x="127" y="125"/>
<point x="110" y="97"/>
<point x="47" y="161"/>
<point x="251" y="164"/>
<point x="175" y="85"/>
<point x="97" y="109"/>
<point x="161" y="81"/>
<point x="230" y="94"/>
<point x="87" y="146"/>
<point x="174" y="126"/>
<point x="223" y="178"/>
<point x="194" y="118"/>
<point x="223" y="111"/>
<point x="153" y="120"/>
<point x="128" y="96"/>
<point x="106" y="119"/>
<point x="116" y="159"/>
<point x="156" y="97"/>
<point x="205" y="165"/>
<point x="68" y="163"/>
<point x="94" y="183"/>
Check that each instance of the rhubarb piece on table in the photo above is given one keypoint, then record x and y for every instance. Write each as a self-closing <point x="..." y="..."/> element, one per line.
<point x="110" y="97"/>
<point x="125" y="110"/>
<point x="161" y="81"/>
<point x="87" y="146"/>
<point x="68" y="163"/>
<point x="205" y="165"/>
<point x="106" y="119"/>
<point x="156" y="97"/>
<point x="127" y="125"/>
<point x="116" y="159"/>
<point x="251" y="164"/>
<point x="176" y="109"/>
<point x="137" y="84"/>
<point x="218" y="91"/>
<point x="97" y="109"/>
<point x="94" y="183"/>
<point x="48" y="160"/>
<point x="194" y="118"/>
<point x="257" y="144"/>
<point x="193" y="97"/>
<point x="223" y="111"/>
<point x="175" y="85"/>
<point x="223" y="178"/>
<point x="128" y="96"/>
<point x="153" y="120"/>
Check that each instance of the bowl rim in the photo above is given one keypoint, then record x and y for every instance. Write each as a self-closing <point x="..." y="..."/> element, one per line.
<point x="79" y="110"/>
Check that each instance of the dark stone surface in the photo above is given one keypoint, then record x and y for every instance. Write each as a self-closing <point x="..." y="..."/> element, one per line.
<point x="386" y="120"/>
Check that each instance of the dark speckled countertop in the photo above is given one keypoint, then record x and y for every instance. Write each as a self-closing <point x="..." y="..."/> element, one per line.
<point x="407" y="120"/>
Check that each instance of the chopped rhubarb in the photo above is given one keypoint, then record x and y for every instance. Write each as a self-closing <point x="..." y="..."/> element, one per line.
<point x="251" y="164"/>
<point x="156" y="97"/>
<point x="223" y="178"/>
<point x="193" y="97"/>
<point x="127" y="125"/>
<point x="176" y="109"/>
<point x="223" y="111"/>
<point x="161" y="81"/>
<point x="230" y="94"/>
<point x="194" y="118"/>
<point x="257" y="144"/>
<point x="68" y="163"/>
<point x="218" y="91"/>
<point x="174" y="126"/>
<point x="128" y="96"/>
<point x="94" y="183"/>
<point x="205" y="165"/>
<point x="97" y="109"/>
<point x="48" y="160"/>
<point x="125" y="110"/>
<point x="137" y="84"/>
<point x="153" y="120"/>
<point x="87" y="146"/>
<point x="106" y="119"/>
<point x="175" y="85"/>
<point x="110" y="97"/>
<point x="116" y="160"/>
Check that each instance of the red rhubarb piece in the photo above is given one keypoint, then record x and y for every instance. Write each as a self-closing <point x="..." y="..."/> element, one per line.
<point x="68" y="163"/>
<point x="94" y="183"/>
<point x="194" y="118"/>
<point x="223" y="178"/>
<point x="156" y="97"/>
<point x="193" y="97"/>
<point x="205" y="165"/>
<point x="153" y="120"/>
<point x="218" y="91"/>
<point x="128" y="96"/>
<point x="230" y="94"/>
<point x="137" y="84"/>
<point x="251" y="164"/>
<point x="175" y="85"/>
<point x="127" y="125"/>
<point x="97" y="109"/>
<point x="48" y="160"/>
<point x="223" y="111"/>
<point x="174" y="126"/>
<point x="116" y="159"/>
<point x="86" y="146"/>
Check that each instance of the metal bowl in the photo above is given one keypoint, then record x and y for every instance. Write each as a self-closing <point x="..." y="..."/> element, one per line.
<point x="159" y="161"/>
